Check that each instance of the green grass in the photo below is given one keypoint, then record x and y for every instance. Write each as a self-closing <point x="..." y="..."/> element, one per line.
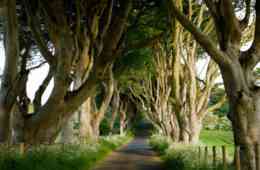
<point x="214" y="137"/>
<point x="159" y="143"/>
<point x="185" y="157"/>
<point x="218" y="138"/>
<point x="69" y="157"/>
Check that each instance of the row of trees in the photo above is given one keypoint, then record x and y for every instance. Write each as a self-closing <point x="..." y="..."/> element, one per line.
<point x="236" y="66"/>
<point x="218" y="28"/>
<point x="81" y="40"/>
<point x="176" y="96"/>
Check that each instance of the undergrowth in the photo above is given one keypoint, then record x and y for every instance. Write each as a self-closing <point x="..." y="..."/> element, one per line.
<point x="184" y="157"/>
<point x="59" y="157"/>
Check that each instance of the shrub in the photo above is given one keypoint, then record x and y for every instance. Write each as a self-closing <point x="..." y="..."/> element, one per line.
<point x="159" y="143"/>
<point x="215" y="122"/>
<point x="186" y="158"/>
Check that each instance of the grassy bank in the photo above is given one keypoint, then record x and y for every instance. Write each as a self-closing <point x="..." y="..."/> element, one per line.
<point x="215" y="137"/>
<point x="185" y="157"/>
<point x="218" y="138"/>
<point x="68" y="157"/>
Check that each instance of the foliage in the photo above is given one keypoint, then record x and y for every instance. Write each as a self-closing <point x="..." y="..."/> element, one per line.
<point x="147" y="23"/>
<point x="215" y="122"/>
<point x="215" y="97"/>
<point x="185" y="157"/>
<point x="104" y="127"/>
<point x="160" y="143"/>
<point x="68" y="157"/>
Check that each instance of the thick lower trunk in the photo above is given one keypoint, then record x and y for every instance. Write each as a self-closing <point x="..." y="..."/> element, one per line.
<point x="7" y="98"/>
<point x="246" y="126"/>
<point x="122" y="122"/>
<point x="50" y="125"/>
<point x="121" y="128"/>
<point x="184" y="136"/>
<point x="184" y="130"/>
<point x="86" y="130"/>
<point x="247" y="157"/>
<point x="175" y="133"/>
<point x="166" y="131"/>
<point x="17" y="126"/>
<point x="195" y="129"/>
<point x="195" y="136"/>
<point x="68" y="132"/>
<point x="112" y="121"/>
<point x="96" y="130"/>
<point x="4" y="123"/>
<point x="244" y="101"/>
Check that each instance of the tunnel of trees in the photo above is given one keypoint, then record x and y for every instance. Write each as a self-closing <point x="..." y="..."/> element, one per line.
<point x="112" y="63"/>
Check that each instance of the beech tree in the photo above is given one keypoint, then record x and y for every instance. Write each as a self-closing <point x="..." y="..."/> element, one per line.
<point x="176" y="98"/>
<point x="115" y="105"/>
<point x="179" y="117"/>
<point x="10" y="80"/>
<point x="191" y="93"/>
<point x="67" y="34"/>
<point x="89" y="116"/>
<point x="237" y="68"/>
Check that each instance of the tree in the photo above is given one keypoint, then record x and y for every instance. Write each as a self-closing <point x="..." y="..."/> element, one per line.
<point x="10" y="80"/>
<point x="236" y="68"/>
<point x="191" y="93"/>
<point x="71" y="33"/>
<point x="181" y="116"/>
<point x="175" y="63"/>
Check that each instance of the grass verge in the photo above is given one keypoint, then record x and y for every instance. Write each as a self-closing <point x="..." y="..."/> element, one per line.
<point x="67" y="157"/>
<point x="218" y="138"/>
<point x="186" y="157"/>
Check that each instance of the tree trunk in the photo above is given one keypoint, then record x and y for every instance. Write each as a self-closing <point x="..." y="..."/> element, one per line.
<point x="175" y="128"/>
<point x="99" y="115"/>
<point x="112" y="121"/>
<point x="7" y="99"/>
<point x="122" y="122"/>
<point x="195" y="129"/>
<point x="184" y="135"/>
<point x="17" y="126"/>
<point x="246" y="130"/>
<point x="184" y="129"/>
<point x="244" y="114"/>
<point x="115" y="107"/>
<point x="237" y="68"/>
<point x="95" y="124"/>
<point x="86" y="130"/>
<point x="68" y="133"/>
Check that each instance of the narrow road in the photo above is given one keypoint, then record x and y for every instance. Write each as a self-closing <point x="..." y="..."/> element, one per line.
<point x="137" y="155"/>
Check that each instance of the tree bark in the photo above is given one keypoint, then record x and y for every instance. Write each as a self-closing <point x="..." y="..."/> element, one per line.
<point x="68" y="132"/>
<point x="122" y="122"/>
<point x="7" y="96"/>
<point x="86" y="130"/>
<point x="195" y="129"/>
<point x="115" y="107"/>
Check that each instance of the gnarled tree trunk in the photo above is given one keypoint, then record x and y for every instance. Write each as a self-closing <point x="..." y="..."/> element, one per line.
<point x="10" y="75"/>
<point x="237" y="69"/>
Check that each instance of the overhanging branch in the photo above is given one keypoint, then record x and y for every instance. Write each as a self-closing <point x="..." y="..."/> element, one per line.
<point x="244" y="22"/>
<point x="202" y="39"/>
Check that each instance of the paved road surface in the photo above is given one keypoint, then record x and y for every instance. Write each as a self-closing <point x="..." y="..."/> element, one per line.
<point x="137" y="155"/>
